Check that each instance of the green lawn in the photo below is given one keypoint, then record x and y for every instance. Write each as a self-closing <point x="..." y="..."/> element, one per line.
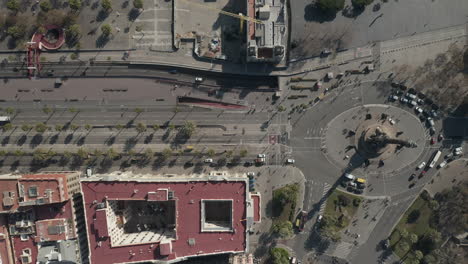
<point x="418" y="227"/>
<point x="336" y="216"/>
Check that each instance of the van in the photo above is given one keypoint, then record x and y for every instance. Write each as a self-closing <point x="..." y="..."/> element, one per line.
<point x="198" y="79"/>
<point x="442" y="164"/>
<point x="360" y="180"/>
<point x="349" y="176"/>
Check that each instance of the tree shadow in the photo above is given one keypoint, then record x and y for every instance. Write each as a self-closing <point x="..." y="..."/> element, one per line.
<point x="81" y="141"/>
<point x="130" y="143"/>
<point x="53" y="139"/>
<point x="21" y="140"/>
<point x="133" y="14"/>
<point x="110" y="141"/>
<point x="313" y="13"/>
<point x="102" y="15"/>
<point x="158" y="163"/>
<point x="36" y="140"/>
<point x="63" y="161"/>
<point x="5" y="140"/>
<point x="148" y="138"/>
<point x="14" y="166"/>
<point x="68" y="139"/>
<point x="102" y="40"/>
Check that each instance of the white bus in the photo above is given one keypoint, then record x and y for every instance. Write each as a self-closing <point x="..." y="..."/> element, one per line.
<point x="4" y="119"/>
<point x="435" y="159"/>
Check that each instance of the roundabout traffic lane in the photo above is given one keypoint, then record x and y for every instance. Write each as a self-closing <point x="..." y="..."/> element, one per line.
<point x="311" y="129"/>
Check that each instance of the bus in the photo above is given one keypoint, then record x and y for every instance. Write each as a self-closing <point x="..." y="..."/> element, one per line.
<point x="4" y="120"/>
<point x="435" y="159"/>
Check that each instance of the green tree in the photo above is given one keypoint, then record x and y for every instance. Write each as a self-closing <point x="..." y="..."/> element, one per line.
<point x="45" y="5"/>
<point x="361" y="3"/>
<point x="283" y="229"/>
<point x="72" y="110"/>
<point x="106" y="29"/>
<point x="433" y="204"/>
<point x="188" y="128"/>
<point x="404" y="246"/>
<point x="41" y="127"/>
<point x="17" y="31"/>
<point x="171" y="127"/>
<point x="18" y="153"/>
<point x="112" y="154"/>
<point x="13" y="5"/>
<point x="210" y="152"/>
<point x="3" y="153"/>
<point x="74" y="127"/>
<point x="243" y="153"/>
<point x="330" y="5"/>
<point x="26" y="127"/>
<point x="429" y="259"/>
<point x="88" y="127"/>
<point x="75" y="5"/>
<point x="43" y="155"/>
<point x="279" y="256"/>
<point x="148" y="154"/>
<point x="73" y="31"/>
<point x="58" y="128"/>
<point x="106" y="5"/>
<point x="413" y="238"/>
<point x="166" y="153"/>
<point x="138" y="4"/>
<point x="97" y="153"/>
<point x="403" y="233"/>
<point x="229" y="153"/>
<point x="47" y="110"/>
<point x="138" y="110"/>
<point x="82" y="153"/>
<point x="140" y="127"/>
<point x="10" y="110"/>
<point x="156" y="127"/>
<point x="418" y="255"/>
<point x="281" y="108"/>
<point x="7" y="127"/>
<point x="119" y="126"/>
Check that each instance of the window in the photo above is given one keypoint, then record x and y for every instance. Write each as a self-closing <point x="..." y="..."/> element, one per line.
<point x="32" y="191"/>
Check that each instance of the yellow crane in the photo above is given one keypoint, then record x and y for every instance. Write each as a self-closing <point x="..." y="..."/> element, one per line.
<point x="241" y="17"/>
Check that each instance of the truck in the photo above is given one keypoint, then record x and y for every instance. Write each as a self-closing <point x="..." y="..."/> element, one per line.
<point x="435" y="158"/>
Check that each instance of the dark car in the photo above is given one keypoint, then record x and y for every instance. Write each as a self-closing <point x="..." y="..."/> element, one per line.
<point x="411" y="185"/>
<point x="343" y="184"/>
<point x="358" y="191"/>
<point x="422" y="174"/>
<point x="350" y="189"/>
<point x="361" y="185"/>
<point x="188" y="164"/>
<point x="422" y="118"/>
<point x="411" y="177"/>
<point x="248" y="163"/>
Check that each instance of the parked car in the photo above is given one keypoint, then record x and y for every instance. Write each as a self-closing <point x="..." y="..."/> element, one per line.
<point x="440" y="137"/>
<point x="391" y="121"/>
<point x="250" y="174"/>
<point x="261" y="155"/>
<point x="418" y="110"/>
<point x="208" y="160"/>
<point x="442" y="164"/>
<point x="358" y="191"/>
<point x="248" y="163"/>
<point x="403" y="100"/>
<point x="411" y="177"/>
<point x="420" y="166"/>
<point x="290" y="161"/>
<point x="393" y="98"/>
<point x="349" y="176"/>
<point x="198" y="79"/>
<point x="432" y="140"/>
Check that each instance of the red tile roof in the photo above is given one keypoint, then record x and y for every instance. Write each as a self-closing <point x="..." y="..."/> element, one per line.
<point x="188" y="197"/>
<point x="256" y="207"/>
<point x="5" y="247"/>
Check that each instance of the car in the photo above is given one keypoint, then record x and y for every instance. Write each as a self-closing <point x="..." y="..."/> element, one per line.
<point x="458" y="153"/>
<point x="411" y="177"/>
<point x="248" y="163"/>
<point x="418" y="110"/>
<point x="361" y="186"/>
<point x="430" y="122"/>
<point x="412" y="103"/>
<point x="432" y="140"/>
<point x="398" y="92"/>
<point x="198" y="79"/>
<point x="293" y="260"/>
<point x="188" y="164"/>
<point x="343" y="184"/>
<point x="358" y="191"/>
<point x="440" y="137"/>
<point x="349" y="176"/>
<point x="422" y="118"/>
<point x="250" y="174"/>
<point x="420" y="101"/>
<point x="442" y="164"/>
<point x="403" y="100"/>
<point x="261" y="155"/>
<point x="391" y="121"/>
<point x="208" y="160"/>
<point x="433" y="113"/>
<point x="352" y="184"/>
<point x="432" y="131"/>
<point x="89" y="171"/>
<point x="459" y="149"/>
<point x="412" y="96"/>
<point x="260" y="161"/>
<point x="411" y="185"/>
<point x="386" y="244"/>
<point x="173" y="71"/>
<point x="422" y="174"/>
<point x="429" y="101"/>
<point x="420" y="166"/>
<point x="290" y="161"/>
<point x="319" y="218"/>
<point x="393" y="98"/>
<point x="449" y="156"/>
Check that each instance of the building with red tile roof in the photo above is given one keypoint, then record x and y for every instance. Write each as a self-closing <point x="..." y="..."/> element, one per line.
<point x="37" y="219"/>
<point x="146" y="218"/>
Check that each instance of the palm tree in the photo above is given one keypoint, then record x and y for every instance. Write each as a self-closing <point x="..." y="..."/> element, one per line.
<point x="413" y="238"/>
<point x="243" y="153"/>
<point x="140" y="127"/>
<point x="41" y="127"/>
<point x="403" y="233"/>
<point x="46" y="110"/>
<point x="156" y="127"/>
<point x="229" y="153"/>
<point x="210" y="152"/>
<point x="88" y="127"/>
<point x="7" y="127"/>
<point x="112" y="154"/>
<point x="9" y="110"/>
<point x="166" y="153"/>
<point x="26" y="127"/>
<point x="138" y="110"/>
<point x="188" y="128"/>
<point x="119" y="126"/>
<point x="82" y="153"/>
<point x="74" y="127"/>
<point x="433" y="204"/>
<point x="404" y="246"/>
<point x="418" y="255"/>
<point x="58" y="128"/>
<point x="148" y="154"/>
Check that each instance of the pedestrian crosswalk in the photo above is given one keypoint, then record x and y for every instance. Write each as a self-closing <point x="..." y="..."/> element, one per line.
<point x="342" y="250"/>
<point x="326" y="188"/>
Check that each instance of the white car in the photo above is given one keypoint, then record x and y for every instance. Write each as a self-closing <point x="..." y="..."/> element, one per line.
<point x="393" y="98"/>
<point x="251" y="173"/>
<point x="442" y="164"/>
<point x="208" y="160"/>
<point x="198" y="79"/>
<point x="457" y="153"/>
<point x="421" y="165"/>
<point x="391" y="121"/>
<point x="290" y="161"/>
<point x="418" y="110"/>
<point x="459" y="149"/>
<point x="261" y="156"/>
<point x="403" y="100"/>
<point x="412" y="96"/>
<point x="319" y="218"/>
<point x="349" y="176"/>
<point x="412" y="103"/>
